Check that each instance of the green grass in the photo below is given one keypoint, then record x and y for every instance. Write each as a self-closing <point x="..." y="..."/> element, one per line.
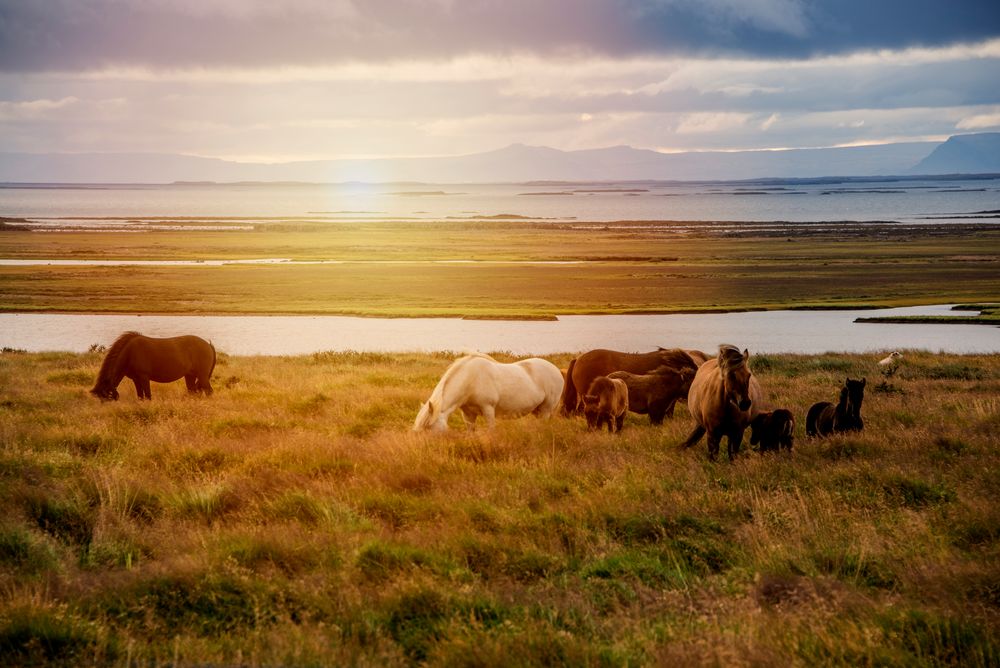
<point x="294" y="519"/>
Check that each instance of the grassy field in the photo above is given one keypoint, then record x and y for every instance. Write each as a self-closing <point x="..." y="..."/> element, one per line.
<point x="403" y="269"/>
<point x="293" y="519"/>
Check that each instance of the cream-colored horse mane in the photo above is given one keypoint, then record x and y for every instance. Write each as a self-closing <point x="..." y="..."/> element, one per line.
<point x="730" y="358"/>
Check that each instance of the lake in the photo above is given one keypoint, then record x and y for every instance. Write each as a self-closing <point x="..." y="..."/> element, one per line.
<point x="904" y="200"/>
<point x="810" y="332"/>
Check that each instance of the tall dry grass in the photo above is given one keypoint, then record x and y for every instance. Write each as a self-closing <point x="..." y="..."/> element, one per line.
<point x="294" y="519"/>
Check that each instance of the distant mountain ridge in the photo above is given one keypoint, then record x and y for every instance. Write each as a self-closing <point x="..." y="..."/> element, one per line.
<point x="978" y="153"/>
<point x="964" y="154"/>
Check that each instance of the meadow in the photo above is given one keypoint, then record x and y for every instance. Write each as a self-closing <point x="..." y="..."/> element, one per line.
<point x="502" y="268"/>
<point x="294" y="519"/>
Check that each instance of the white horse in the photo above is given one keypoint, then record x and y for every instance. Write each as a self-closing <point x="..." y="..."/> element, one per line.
<point x="480" y="385"/>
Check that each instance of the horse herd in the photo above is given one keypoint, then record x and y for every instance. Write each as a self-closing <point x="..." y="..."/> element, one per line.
<point x="722" y="394"/>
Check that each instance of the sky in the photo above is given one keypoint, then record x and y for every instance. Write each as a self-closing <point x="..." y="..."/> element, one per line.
<point x="270" y="81"/>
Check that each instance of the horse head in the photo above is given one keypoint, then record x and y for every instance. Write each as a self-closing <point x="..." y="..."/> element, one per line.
<point x="735" y="376"/>
<point x="105" y="392"/>
<point x="855" y="394"/>
<point x="427" y="418"/>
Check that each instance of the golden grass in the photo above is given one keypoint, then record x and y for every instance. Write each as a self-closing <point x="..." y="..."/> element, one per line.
<point x="294" y="519"/>
<point x="622" y="268"/>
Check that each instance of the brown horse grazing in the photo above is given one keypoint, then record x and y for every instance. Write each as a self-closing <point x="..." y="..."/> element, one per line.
<point x="586" y="367"/>
<point x="773" y="430"/>
<point x="655" y="393"/>
<point x="824" y="418"/>
<point x="143" y="358"/>
<point x="606" y="402"/>
<point x="723" y="399"/>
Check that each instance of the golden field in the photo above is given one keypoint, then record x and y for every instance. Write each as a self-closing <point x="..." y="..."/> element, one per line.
<point x="294" y="519"/>
<point x="503" y="268"/>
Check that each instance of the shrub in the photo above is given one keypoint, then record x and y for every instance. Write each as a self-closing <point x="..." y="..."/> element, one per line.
<point x="379" y="561"/>
<point x="69" y="520"/>
<point x="415" y="620"/>
<point x="35" y="637"/>
<point x="952" y="371"/>
<point x="208" y="503"/>
<point x="24" y="552"/>
<point x="205" y="604"/>
<point x="646" y="566"/>
<point x="915" y="493"/>
<point x="930" y="639"/>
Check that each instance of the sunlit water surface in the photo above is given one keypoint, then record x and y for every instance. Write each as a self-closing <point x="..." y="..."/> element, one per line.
<point x="763" y="331"/>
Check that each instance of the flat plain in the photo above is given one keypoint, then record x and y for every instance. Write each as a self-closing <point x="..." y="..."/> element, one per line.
<point x="501" y="268"/>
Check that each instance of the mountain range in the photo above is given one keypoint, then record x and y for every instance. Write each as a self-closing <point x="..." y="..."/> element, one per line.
<point x="960" y="154"/>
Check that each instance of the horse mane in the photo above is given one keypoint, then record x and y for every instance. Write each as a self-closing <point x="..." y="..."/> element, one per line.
<point x="678" y="358"/>
<point x="438" y="392"/>
<point x="105" y="375"/>
<point x="730" y="357"/>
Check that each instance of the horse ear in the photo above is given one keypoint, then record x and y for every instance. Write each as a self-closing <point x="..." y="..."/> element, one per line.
<point x="746" y="354"/>
<point x="864" y="381"/>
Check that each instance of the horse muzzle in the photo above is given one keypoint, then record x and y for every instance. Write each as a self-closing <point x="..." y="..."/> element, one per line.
<point x="744" y="404"/>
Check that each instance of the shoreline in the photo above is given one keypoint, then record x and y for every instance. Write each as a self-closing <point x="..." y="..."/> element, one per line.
<point x="544" y="317"/>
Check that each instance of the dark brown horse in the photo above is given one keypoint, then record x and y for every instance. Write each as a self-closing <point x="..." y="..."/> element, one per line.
<point x="585" y="368"/>
<point x="773" y="430"/>
<point x="824" y="418"/>
<point x="144" y="359"/>
<point x="723" y="399"/>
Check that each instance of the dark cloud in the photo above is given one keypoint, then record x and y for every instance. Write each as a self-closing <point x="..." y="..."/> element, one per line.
<point x="40" y="35"/>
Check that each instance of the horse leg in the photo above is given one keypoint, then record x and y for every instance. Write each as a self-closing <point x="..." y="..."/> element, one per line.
<point x="734" y="441"/>
<point x="489" y="414"/>
<point x="656" y="413"/>
<point x="714" y="439"/>
<point x="205" y="385"/>
<point x="192" y="383"/>
<point x="469" y="415"/>
<point x="670" y="410"/>
<point x="137" y="381"/>
<point x="619" y="422"/>
<point x="694" y="437"/>
<point x="145" y="388"/>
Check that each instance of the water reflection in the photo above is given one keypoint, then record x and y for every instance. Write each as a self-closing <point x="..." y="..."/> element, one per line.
<point x="765" y="331"/>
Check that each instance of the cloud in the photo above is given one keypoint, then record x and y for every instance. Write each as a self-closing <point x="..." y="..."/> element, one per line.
<point x="711" y="122"/>
<point x="78" y="35"/>
<point x="980" y="122"/>
<point x="31" y="109"/>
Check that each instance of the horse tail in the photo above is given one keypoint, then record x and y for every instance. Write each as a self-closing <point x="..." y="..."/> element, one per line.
<point x="787" y="428"/>
<point x="112" y="362"/>
<point x="214" y="359"/>
<point x="569" y="397"/>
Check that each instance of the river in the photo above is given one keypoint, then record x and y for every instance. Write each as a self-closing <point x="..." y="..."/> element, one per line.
<point x="809" y="332"/>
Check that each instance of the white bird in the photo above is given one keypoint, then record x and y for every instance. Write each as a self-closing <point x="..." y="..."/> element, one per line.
<point x="891" y="359"/>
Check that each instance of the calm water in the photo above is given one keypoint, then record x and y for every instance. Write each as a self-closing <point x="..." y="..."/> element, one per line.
<point x="906" y="200"/>
<point x="771" y="331"/>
